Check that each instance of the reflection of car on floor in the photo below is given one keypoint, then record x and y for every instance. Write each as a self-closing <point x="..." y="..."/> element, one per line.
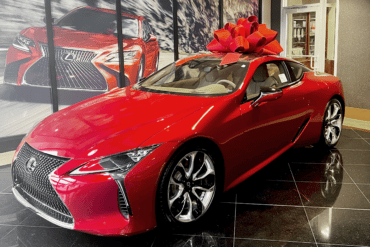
<point x="164" y="149"/>
<point x="86" y="52"/>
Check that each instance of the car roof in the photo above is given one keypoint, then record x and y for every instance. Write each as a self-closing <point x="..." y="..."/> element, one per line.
<point x="111" y="11"/>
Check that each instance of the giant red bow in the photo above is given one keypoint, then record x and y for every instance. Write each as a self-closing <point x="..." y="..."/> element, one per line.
<point x="246" y="37"/>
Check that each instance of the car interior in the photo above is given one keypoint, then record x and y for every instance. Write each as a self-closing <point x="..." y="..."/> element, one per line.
<point x="266" y="75"/>
<point x="203" y="77"/>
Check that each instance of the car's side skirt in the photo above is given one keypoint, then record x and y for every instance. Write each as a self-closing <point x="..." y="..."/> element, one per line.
<point x="258" y="167"/>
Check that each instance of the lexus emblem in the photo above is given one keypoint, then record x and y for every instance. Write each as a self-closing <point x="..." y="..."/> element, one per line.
<point x="31" y="164"/>
<point x="68" y="57"/>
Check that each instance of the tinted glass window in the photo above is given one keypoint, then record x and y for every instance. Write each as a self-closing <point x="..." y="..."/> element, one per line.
<point x="203" y="76"/>
<point x="296" y="70"/>
<point x="94" y="21"/>
<point x="270" y="74"/>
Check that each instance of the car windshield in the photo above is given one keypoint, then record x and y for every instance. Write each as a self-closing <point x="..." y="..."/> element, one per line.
<point x="94" y="21"/>
<point x="200" y="77"/>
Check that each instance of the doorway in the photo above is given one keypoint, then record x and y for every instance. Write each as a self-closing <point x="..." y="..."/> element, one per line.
<point x="308" y="35"/>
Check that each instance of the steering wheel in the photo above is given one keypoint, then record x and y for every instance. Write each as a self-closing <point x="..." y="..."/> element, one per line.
<point x="227" y="82"/>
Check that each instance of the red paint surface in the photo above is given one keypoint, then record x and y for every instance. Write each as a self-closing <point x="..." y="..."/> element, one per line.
<point x="248" y="137"/>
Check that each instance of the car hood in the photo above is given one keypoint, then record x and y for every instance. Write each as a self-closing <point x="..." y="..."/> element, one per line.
<point x="75" y="39"/>
<point x="111" y="123"/>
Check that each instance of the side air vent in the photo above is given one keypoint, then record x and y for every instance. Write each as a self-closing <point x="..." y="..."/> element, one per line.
<point x="123" y="203"/>
<point x="305" y="122"/>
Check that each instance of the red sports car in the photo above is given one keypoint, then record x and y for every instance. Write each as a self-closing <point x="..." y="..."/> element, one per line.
<point x="163" y="150"/>
<point x="86" y="52"/>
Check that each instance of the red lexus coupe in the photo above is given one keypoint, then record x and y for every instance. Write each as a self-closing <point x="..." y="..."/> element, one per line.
<point x="86" y="52"/>
<point x="162" y="151"/>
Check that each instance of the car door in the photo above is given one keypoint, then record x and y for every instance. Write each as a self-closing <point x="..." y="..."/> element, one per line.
<point x="270" y="127"/>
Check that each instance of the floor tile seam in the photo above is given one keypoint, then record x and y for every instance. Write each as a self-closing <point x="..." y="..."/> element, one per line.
<point x="355" y="138"/>
<point x="344" y="245"/>
<point x="5" y="188"/>
<point x="339" y="208"/>
<point x="308" y="163"/>
<point x="296" y="206"/>
<point x="354" y="182"/>
<point x="276" y="240"/>
<point x="8" y="233"/>
<point x="361" y="137"/>
<point x="303" y="181"/>
<point x="265" y="204"/>
<point x="300" y="197"/>
<point x="6" y="193"/>
<point x="358" y="164"/>
<point x="16" y="225"/>
<point x="254" y="239"/>
<point x="350" y="149"/>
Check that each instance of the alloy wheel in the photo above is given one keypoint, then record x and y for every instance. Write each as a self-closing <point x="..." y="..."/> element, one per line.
<point x="333" y="123"/>
<point x="192" y="187"/>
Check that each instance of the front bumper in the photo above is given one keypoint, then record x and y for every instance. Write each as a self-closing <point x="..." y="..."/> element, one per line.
<point x="94" y="200"/>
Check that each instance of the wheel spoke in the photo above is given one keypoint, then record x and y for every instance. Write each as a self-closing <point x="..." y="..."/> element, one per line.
<point x="206" y="198"/>
<point x="328" y="116"/>
<point x="183" y="205"/>
<point x="335" y="111"/>
<point x="189" y="215"/>
<point x="337" y="122"/>
<point x="327" y="133"/>
<point x="190" y="160"/>
<point x="206" y="164"/>
<point x="334" y="134"/>
<point x="178" y="194"/>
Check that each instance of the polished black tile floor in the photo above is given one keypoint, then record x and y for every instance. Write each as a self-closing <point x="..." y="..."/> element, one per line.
<point x="307" y="197"/>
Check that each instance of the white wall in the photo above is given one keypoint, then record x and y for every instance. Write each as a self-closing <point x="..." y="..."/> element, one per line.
<point x="266" y="13"/>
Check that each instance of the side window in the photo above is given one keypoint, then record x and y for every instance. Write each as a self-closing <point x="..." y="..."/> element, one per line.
<point x="271" y="74"/>
<point x="296" y="70"/>
<point x="146" y="30"/>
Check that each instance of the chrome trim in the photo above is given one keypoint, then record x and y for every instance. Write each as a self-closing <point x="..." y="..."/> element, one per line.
<point x="76" y="172"/>
<point x="40" y="213"/>
<point x="262" y="94"/>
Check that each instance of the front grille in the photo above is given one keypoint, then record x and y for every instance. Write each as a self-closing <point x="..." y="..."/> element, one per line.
<point x="74" y="70"/>
<point x="35" y="187"/>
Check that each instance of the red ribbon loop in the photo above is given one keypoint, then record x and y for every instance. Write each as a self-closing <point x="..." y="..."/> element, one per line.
<point x="248" y="36"/>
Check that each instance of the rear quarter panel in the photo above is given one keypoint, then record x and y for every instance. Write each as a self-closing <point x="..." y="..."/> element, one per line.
<point x="324" y="87"/>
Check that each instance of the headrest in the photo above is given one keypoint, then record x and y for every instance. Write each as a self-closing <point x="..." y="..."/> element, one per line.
<point x="260" y="74"/>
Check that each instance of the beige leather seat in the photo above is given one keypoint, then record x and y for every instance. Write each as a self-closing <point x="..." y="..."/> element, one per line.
<point x="260" y="79"/>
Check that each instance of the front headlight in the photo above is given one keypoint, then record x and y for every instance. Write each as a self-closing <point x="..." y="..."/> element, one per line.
<point x="122" y="162"/>
<point x="113" y="57"/>
<point x="23" y="43"/>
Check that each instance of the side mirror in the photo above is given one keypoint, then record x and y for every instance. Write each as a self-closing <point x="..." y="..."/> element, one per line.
<point x="152" y="38"/>
<point x="268" y="94"/>
<point x="52" y="20"/>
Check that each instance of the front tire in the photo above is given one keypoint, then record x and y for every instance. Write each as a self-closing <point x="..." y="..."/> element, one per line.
<point x="332" y="124"/>
<point x="188" y="187"/>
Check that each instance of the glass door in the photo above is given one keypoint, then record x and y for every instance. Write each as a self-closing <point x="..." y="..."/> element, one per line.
<point x="301" y="36"/>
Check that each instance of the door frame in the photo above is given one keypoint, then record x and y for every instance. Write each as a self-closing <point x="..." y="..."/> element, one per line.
<point x="320" y="32"/>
